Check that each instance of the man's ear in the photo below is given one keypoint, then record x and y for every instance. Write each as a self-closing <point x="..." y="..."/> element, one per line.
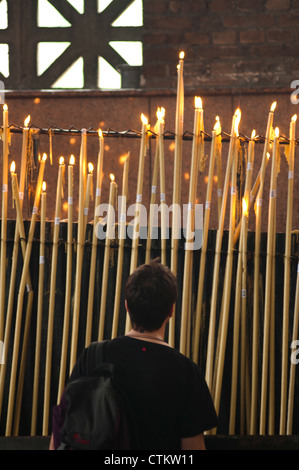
<point x="171" y="311"/>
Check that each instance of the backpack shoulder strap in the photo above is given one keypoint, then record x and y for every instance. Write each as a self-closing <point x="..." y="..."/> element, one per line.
<point x="95" y="355"/>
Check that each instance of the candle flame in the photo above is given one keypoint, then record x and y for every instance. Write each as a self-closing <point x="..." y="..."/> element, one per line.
<point x="27" y="120"/>
<point x="112" y="177"/>
<point x="294" y="118"/>
<point x="238" y="119"/>
<point x="160" y="113"/>
<point x="13" y="167"/>
<point x="253" y="134"/>
<point x="100" y="133"/>
<point x="44" y="157"/>
<point x="144" y="119"/>
<point x="44" y="186"/>
<point x="182" y="55"/>
<point x="217" y="125"/>
<point x="90" y="167"/>
<point x="61" y="161"/>
<point x="244" y="206"/>
<point x="72" y="160"/>
<point x="198" y="102"/>
<point x="276" y="132"/>
<point x="273" y="106"/>
<point x="5" y="107"/>
<point x="268" y="155"/>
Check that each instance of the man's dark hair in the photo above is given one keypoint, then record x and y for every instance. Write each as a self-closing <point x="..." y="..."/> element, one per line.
<point x="151" y="291"/>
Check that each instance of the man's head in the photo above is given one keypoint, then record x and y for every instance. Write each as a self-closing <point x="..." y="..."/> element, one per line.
<point x="151" y="292"/>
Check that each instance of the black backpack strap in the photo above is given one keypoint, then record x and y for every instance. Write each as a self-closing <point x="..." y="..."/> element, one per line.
<point x="95" y="355"/>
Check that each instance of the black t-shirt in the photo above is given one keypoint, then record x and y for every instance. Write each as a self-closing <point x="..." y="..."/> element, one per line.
<point x="167" y="391"/>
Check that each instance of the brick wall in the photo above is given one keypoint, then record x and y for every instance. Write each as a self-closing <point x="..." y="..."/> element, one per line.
<point x="227" y="43"/>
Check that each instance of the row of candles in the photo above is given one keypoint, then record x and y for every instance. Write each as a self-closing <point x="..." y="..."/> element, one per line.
<point x="237" y="232"/>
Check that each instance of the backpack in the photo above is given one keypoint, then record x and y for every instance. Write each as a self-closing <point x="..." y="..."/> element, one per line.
<point x="98" y="415"/>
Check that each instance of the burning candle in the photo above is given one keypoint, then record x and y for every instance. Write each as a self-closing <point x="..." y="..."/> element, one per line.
<point x="190" y="221"/>
<point x="216" y="136"/>
<point x="269" y="283"/>
<point x="88" y="193"/>
<point x="68" y="287"/>
<point x="212" y="323"/>
<point x="122" y="236"/>
<point x="94" y="239"/>
<point x="160" y="116"/>
<point x="109" y="235"/>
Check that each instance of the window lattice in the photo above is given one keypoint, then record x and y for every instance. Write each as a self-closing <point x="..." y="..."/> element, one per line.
<point x="68" y="43"/>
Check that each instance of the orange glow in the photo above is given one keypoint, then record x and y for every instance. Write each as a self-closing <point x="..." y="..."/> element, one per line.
<point x="276" y="131"/>
<point x="61" y="161"/>
<point x="27" y="120"/>
<point x="253" y="134"/>
<point x="273" y="106"/>
<point x="217" y="126"/>
<point x="44" y="186"/>
<point x="198" y="102"/>
<point x="5" y="107"/>
<point x="112" y="177"/>
<point x="244" y="207"/>
<point x="160" y="113"/>
<point x="144" y="119"/>
<point x="182" y="55"/>
<point x="294" y="118"/>
<point x="44" y="157"/>
<point x="13" y="167"/>
<point x="238" y="119"/>
<point x="72" y="160"/>
<point x="100" y="133"/>
<point x="90" y="167"/>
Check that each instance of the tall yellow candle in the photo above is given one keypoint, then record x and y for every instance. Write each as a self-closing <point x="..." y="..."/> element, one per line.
<point x="109" y="234"/>
<point x="94" y="239"/>
<point x="23" y="282"/>
<point x="80" y="248"/>
<point x="212" y="322"/>
<point x="5" y="139"/>
<point x="286" y="295"/>
<point x="52" y="299"/>
<point x="215" y="136"/>
<point x="268" y="284"/>
<point x="190" y="222"/>
<point x="68" y="286"/>
<point x="161" y="115"/>
<point x="122" y="236"/>
<point x="39" y="309"/>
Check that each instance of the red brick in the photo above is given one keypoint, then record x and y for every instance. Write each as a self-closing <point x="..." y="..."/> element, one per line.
<point x="249" y="5"/>
<point x="278" y="4"/>
<point x="279" y="35"/>
<point x="171" y="23"/>
<point x="288" y="20"/>
<point x="269" y="51"/>
<point x="249" y="21"/>
<point x="255" y="36"/>
<point x="194" y="37"/>
<point x="226" y="37"/>
<point x="221" y="5"/>
<point x="155" y="6"/>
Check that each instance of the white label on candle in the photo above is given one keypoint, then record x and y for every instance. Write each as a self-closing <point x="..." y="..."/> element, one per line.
<point x="298" y="268"/>
<point x="154" y="189"/>
<point x="162" y="197"/>
<point x="219" y="192"/>
<point x="249" y="166"/>
<point x="34" y="210"/>
<point x="233" y="191"/>
<point x="27" y="288"/>
<point x="56" y="220"/>
<point x="41" y="260"/>
<point x="70" y="200"/>
<point x="272" y="193"/>
<point x="259" y="202"/>
<point x="291" y="175"/>
<point x="5" y="188"/>
<point x="98" y="191"/>
<point x="85" y="210"/>
<point x="122" y="217"/>
<point x="21" y="195"/>
<point x="243" y="293"/>
<point x="138" y="197"/>
<point x="208" y="204"/>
